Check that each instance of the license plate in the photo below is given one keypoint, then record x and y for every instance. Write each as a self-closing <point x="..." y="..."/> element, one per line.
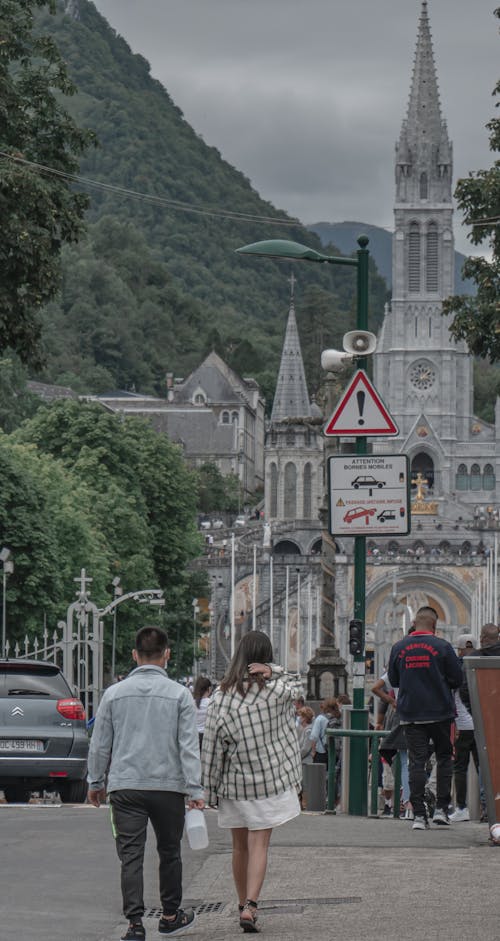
<point x="20" y="744"/>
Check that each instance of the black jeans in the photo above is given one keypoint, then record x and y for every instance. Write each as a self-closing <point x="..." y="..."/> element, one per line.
<point x="130" y="812"/>
<point x="465" y="746"/>
<point x="418" y="736"/>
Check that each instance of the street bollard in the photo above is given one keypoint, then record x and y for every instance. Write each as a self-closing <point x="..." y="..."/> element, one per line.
<point x="314" y="787"/>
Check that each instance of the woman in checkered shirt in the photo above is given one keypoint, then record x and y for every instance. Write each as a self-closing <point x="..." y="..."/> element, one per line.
<point x="251" y="761"/>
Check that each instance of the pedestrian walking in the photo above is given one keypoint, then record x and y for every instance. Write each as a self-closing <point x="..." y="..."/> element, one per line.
<point x="329" y="710"/>
<point x="465" y="742"/>
<point x="426" y="670"/>
<point x="251" y="762"/>
<point x="201" y="694"/>
<point x="146" y="740"/>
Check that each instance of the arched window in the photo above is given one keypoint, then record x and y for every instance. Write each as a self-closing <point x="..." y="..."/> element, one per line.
<point x="489" y="479"/>
<point x="234" y="418"/>
<point x="225" y="418"/>
<point x="432" y="251"/>
<point x="424" y="186"/>
<point x="274" y="492"/>
<point x="422" y="464"/>
<point x="199" y="399"/>
<point x="290" y="491"/>
<point x="307" y="492"/>
<point x="476" y="478"/>
<point x="462" y="478"/>
<point x="414" y="258"/>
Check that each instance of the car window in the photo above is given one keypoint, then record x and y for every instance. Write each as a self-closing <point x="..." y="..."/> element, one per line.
<point x="20" y="680"/>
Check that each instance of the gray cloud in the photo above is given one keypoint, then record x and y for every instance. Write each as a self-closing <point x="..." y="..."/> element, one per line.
<point x="307" y="99"/>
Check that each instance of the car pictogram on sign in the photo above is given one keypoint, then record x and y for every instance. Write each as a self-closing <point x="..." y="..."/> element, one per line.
<point x="357" y="512"/>
<point x="367" y="481"/>
<point x="386" y="515"/>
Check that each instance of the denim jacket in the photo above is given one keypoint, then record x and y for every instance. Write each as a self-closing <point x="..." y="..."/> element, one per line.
<point x="145" y="733"/>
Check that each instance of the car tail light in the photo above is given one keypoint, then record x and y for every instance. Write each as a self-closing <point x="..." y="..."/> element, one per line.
<point x="71" y="709"/>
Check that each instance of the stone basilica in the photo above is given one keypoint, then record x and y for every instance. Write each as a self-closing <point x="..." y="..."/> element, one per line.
<point x="300" y="582"/>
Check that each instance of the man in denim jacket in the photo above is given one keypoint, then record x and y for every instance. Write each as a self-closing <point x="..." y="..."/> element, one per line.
<point x="146" y="740"/>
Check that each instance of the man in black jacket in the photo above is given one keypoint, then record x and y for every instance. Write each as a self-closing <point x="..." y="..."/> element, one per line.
<point x="426" y="669"/>
<point x="489" y="641"/>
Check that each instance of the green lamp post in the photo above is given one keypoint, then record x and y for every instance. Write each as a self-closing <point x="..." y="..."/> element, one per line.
<point x="282" y="248"/>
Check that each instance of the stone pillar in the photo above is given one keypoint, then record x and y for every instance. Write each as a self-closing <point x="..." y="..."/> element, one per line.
<point x="327" y="674"/>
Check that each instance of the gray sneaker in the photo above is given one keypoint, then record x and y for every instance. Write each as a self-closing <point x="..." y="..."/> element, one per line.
<point x="441" y="817"/>
<point x="420" y="823"/>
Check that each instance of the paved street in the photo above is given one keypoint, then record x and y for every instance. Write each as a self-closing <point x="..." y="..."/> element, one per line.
<point x="329" y="877"/>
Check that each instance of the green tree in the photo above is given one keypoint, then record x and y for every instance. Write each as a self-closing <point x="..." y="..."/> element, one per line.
<point x="47" y="521"/>
<point x="217" y="492"/>
<point x="16" y="401"/>
<point x="145" y="496"/>
<point x="477" y="319"/>
<point x="39" y="211"/>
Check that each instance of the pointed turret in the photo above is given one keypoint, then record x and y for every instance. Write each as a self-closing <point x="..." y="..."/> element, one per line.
<point x="291" y="399"/>
<point x="424" y="151"/>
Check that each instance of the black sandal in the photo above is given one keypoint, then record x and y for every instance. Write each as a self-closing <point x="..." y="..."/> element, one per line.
<point x="249" y="925"/>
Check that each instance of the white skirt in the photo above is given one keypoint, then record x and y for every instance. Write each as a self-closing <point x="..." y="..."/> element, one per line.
<point x="258" y="814"/>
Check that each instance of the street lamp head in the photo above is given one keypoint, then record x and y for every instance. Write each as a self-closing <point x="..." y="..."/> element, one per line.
<point x="116" y="581"/>
<point x="4" y="554"/>
<point x="294" y="251"/>
<point x="282" y="248"/>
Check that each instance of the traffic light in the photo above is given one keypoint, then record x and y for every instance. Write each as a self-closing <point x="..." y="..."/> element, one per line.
<point x="355" y="637"/>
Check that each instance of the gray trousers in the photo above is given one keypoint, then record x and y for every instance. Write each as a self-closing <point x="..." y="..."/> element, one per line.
<point x="130" y="812"/>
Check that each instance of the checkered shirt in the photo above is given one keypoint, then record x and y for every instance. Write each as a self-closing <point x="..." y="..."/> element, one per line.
<point x="250" y="746"/>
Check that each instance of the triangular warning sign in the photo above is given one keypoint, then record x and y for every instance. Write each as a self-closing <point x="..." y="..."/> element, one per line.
<point x="361" y="411"/>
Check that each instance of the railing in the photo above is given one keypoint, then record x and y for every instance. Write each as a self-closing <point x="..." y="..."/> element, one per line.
<point x="332" y="734"/>
<point x="41" y="649"/>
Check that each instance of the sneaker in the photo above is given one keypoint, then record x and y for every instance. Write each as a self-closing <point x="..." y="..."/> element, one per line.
<point x="420" y="823"/>
<point x="459" y="815"/>
<point x="441" y="817"/>
<point x="407" y="814"/>
<point x="181" y="921"/>
<point x="134" y="932"/>
<point x="387" y="811"/>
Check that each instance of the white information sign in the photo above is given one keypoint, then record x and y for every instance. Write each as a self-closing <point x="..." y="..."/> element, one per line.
<point x="369" y="495"/>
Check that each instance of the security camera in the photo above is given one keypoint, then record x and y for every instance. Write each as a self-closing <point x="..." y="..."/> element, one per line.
<point x="333" y="359"/>
<point x="359" y="342"/>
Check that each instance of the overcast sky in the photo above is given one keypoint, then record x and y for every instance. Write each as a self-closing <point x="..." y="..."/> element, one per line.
<point x="306" y="97"/>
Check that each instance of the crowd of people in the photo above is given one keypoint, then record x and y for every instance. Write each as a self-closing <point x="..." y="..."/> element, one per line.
<point x="159" y="747"/>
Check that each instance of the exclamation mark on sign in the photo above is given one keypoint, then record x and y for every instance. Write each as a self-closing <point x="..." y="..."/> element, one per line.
<point x="361" y="404"/>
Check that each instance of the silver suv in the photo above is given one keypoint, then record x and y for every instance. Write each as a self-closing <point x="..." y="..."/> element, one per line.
<point x="43" y="733"/>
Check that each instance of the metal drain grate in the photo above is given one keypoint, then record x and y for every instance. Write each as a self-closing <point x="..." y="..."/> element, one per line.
<point x="203" y="908"/>
<point x="269" y="904"/>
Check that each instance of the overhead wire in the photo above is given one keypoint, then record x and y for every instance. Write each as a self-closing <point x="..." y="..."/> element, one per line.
<point x="166" y="201"/>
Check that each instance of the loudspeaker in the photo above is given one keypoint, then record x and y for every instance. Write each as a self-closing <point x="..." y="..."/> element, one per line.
<point x="359" y="342"/>
<point x="332" y="359"/>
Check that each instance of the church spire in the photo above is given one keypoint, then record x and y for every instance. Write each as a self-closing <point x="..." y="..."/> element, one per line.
<point x="291" y="399"/>
<point x="424" y="151"/>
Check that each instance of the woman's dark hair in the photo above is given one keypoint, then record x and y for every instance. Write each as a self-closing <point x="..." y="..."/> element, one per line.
<point x="201" y="686"/>
<point x="254" y="647"/>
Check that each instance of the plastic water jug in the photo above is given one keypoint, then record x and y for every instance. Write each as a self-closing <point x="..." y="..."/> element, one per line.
<point x="196" y="829"/>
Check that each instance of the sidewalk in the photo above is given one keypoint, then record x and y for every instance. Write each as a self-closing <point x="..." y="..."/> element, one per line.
<point x="358" y="879"/>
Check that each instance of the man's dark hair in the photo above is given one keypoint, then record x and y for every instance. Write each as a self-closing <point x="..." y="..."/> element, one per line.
<point x="151" y="642"/>
<point x="428" y="610"/>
